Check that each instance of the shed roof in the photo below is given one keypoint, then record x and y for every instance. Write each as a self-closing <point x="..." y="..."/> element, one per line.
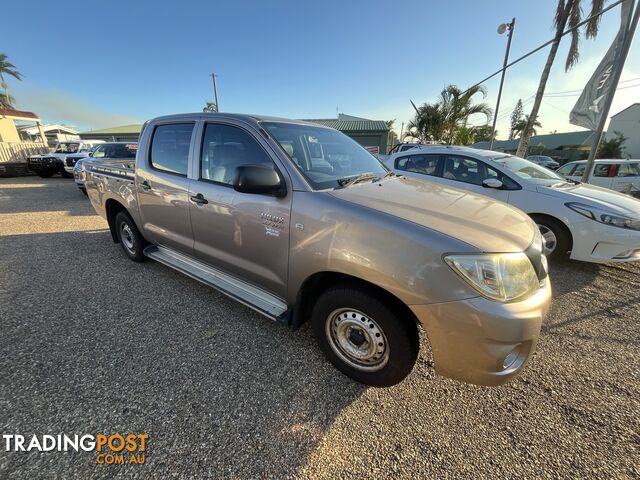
<point x="552" y="141"/>
<point x="134" y="128"/>
<point x="361" y="125"/>
<point x="18" y="114"/>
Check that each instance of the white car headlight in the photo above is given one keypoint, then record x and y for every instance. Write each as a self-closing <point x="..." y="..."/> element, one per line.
<point x="603" y="216"/>
<point x="505" y="277"/>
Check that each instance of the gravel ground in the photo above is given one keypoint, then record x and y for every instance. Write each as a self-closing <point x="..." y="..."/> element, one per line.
<point x="91" y="342"/>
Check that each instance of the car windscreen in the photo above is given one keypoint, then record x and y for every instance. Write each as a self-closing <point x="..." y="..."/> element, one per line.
<point x="67" y="148"/>
<point x="325" y="156"/>
<point x="528" y="170"/>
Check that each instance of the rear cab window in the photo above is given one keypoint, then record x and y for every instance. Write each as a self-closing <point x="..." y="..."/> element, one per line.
<point x="170" y="145"/>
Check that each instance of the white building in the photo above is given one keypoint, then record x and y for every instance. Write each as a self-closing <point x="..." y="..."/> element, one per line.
<point x="627" y="122"/>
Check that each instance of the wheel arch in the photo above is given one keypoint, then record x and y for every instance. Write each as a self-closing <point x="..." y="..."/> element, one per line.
<point x="535" y="215"/>
<point x="113" y="208"/>
<point x="318" y="282"/>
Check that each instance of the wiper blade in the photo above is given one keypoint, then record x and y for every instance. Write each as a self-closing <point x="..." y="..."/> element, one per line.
<point x="348" y="181"/>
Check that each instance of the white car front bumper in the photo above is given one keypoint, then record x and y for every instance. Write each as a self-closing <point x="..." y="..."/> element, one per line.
<point x="600" y="243"/>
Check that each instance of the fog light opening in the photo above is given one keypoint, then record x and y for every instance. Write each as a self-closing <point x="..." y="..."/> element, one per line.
<point x="511" y="359"/>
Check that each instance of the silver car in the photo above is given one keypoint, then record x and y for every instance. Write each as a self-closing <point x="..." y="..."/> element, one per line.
<point x="300" y="223"/>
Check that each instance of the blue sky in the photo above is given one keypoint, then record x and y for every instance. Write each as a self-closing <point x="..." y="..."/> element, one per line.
<point x="100" y="64"/>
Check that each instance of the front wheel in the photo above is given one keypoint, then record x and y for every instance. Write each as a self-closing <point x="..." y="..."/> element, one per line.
<point x="66" y="174"/>
<point x="130" y="238"/>
<point x="364" y="337"/>
<point x="45" y="174"/>
<point x="556" y="238"/>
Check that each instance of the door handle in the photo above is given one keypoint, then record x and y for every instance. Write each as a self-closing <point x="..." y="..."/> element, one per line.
<point x="145" y="185"/>
<point x="199" y="199"/>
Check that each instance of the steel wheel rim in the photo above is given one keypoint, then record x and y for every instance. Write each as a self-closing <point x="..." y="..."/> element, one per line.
<point x="549" y="239"/>
<point x="126" y="235"/>
<point x="346" y="328"/>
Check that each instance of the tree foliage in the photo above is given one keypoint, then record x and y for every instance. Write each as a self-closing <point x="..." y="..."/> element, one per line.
<point x="7" y="69"/>
<point x="516" y="117"/>
<point x="444" y="120"/>
<point x="519" y="127"/>
<point x="612" y="148"/>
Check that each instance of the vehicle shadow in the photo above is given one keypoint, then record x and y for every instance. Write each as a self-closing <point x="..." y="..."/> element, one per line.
<point x="34" y="194"/>
<point x="93" y="343"/>
<point x="569" y="275"/>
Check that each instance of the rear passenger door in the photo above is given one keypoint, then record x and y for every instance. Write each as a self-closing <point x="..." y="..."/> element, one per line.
<point x="468" y="174"/>
<point x="421" y="166"/>
<point x="603" y="174"/>
<point x="243" y="234"/>
<point x="163" y="187"/>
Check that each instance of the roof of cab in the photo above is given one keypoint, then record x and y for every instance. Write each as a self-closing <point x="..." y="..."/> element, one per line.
<point x="253" y="119"/>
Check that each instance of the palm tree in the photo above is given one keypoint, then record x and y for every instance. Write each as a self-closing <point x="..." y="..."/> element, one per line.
<point x="440" y="121"/>
<point x="458" y="106"/>
<point x="429" y="123"/>
<point x="7" y="68"/>
<point x="521" y="124"/>
<point x="566" y="11"/>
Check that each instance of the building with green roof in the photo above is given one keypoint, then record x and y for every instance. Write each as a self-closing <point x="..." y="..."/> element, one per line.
<point x="371" y="134"/>
<point x="124" y="133"/>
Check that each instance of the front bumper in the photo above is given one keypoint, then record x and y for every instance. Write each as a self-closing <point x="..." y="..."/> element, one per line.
<point x="599" y="243"/>
<point x="43" y="164"/>
<point x="480" y="341"/>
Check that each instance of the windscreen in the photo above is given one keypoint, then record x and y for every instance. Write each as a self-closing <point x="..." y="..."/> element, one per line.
<point x="528" y="170"/>
<point x="67" y="147"/>
<point x="325" y="156"/>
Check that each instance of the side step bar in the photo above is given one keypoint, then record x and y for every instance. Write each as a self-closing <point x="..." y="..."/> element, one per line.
<point x="253" y="297"/>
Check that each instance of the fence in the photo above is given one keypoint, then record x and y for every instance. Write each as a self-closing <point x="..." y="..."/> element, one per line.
<point x="11" y="152"/>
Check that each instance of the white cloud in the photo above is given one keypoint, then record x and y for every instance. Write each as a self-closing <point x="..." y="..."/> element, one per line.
<point x="58" y="106"/>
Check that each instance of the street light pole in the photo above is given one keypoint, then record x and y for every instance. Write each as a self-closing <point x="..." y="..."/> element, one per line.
<point x="215" y="90"/>
<point x="501" y="30"/>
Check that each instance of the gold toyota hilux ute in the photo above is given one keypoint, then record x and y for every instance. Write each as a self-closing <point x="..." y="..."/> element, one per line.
<point x="300" y="223"/>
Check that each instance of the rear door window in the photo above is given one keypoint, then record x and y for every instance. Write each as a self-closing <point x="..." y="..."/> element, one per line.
<point x="629" y="170"/>
<point x="602" y="170"/>
<point x="425" y="164"/>
<point x="170" y="148"/>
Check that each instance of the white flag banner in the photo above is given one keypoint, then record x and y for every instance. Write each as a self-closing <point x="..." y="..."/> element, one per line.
<point x="588" y="109"/>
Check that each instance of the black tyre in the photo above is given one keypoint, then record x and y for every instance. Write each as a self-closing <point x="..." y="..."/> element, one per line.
<point x="130" y="238"/>
<point x="556" y="237"/>
<point x="45" y="174"/>
<point x="66" y="174"/>
<point x="364" y="337"/>
<point x="84" y="190"/>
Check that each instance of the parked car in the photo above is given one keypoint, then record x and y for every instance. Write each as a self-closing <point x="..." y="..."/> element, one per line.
<point x="120" y="154"/>
<point x="48" y="164"/>
<point x="544" y="161"/>
<point x="109" y="150"/>
<point x="401" y="147"/>
<point x="619" y="175"/>
<point x="79" y="174"/>
<point x="592" y="223"/>
<point x="236" y="202"/>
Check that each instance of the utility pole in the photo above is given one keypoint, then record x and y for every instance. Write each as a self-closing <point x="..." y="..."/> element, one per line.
<point x="215" y="90"/>
<point x="621" y="56"/>
<point x="501" y="29"/>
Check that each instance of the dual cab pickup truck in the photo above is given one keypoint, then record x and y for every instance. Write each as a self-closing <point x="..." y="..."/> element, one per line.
<point x="48" y="164"/>
<point x="236" y="202"/>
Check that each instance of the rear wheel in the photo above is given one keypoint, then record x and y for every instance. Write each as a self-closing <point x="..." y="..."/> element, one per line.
<point x="130" y="238"/>
<point x="556" y="238"/>
<point x="363" y="337"/>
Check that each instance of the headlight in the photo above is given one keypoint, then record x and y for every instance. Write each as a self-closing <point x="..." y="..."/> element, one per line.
<point x="603" y="216"/>
<point x="505" y="277"/>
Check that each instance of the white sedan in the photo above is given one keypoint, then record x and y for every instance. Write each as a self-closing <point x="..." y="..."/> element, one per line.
<point x="583" y="221"/>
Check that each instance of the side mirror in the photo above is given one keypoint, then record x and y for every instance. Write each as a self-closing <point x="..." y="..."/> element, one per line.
<point x="492" y="183"/>
<point x="259" y="179"/>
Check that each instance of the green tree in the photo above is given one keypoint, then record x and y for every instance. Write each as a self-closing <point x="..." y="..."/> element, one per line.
<point x="7" y="69"/>
<point x="464" y="136"/>
<point x="392" y="139"/>
<point x="612" y="148"/>
<point x="516" y="116"/>
<point x="566" y="11"/>
<point x="482" y="133"/>
<point x="519" y="127"/>
<point x="441" y="120"/>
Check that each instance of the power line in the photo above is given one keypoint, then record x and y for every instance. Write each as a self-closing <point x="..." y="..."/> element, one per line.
<point x="546" y="44"/>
